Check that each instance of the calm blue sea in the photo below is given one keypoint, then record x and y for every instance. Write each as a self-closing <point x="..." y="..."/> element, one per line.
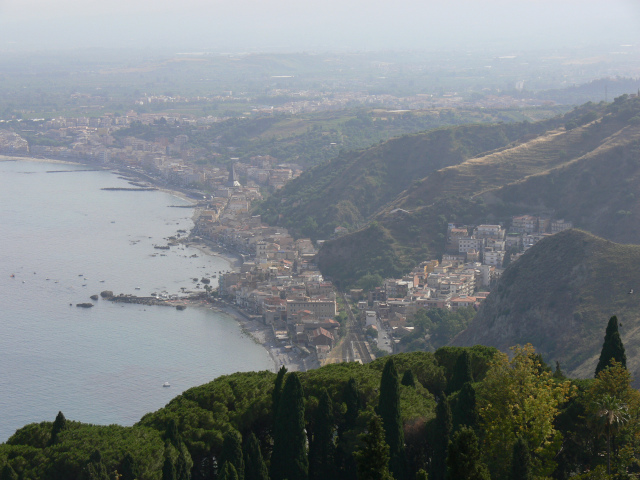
<point x="65" y="239"/>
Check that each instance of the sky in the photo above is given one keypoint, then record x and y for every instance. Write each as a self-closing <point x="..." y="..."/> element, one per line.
<point x="263" y="25"/>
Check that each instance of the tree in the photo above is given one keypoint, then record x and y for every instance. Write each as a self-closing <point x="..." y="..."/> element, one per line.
<point x="232" y="452"/>
<point x="440" y="438"/>
<point x="611" y="415"/>
<point x="277" y="390"/>
<point x="464" y="459"/>
<point x="59" y="424"/>
<point x="422" y="475"/>
<point x="461" y="373"/>
<point x="95" y="469"/>
<point x="612" y="348"/>
<point x="8" y="473"/>
<point x="171" y="433"/>
<point x="322" y="447"/>
<point x="558" y="374"/>
<point x="128" y="469"/>
<point x="228" y="472"/>
<point x="521" y="461"/>
<point x="182" y="467"/>
<point x="168" y="469"/>
<point x="289" y="458"/>
<point x="373" y="458"/>
<point x="389" y="411"/>
<point x="352" y="400"/>
<point x="465" y="410"/>
<point x="254" y="466"/>
<point x="519" y="398"/>
<point x="408" y="379"/>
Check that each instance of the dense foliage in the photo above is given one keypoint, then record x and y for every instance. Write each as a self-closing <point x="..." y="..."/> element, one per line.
<point x="514" y="418"/>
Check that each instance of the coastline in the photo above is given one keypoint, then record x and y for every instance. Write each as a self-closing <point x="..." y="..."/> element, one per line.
<point x="252" y="326"/>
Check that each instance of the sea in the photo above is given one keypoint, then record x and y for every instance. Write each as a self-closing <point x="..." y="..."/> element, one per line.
<point x="62" y="239"/>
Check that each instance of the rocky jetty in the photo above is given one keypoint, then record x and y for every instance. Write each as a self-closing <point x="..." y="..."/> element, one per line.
<point x="106" y="294"/>
<point x="84" y="305"/>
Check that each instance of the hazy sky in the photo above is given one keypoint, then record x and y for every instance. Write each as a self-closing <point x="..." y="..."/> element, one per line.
<point x="236" y="25"/>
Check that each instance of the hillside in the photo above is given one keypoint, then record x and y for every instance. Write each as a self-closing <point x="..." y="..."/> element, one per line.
<point x="559" y="296"/>
<point x="348" y="190"/>
<point x="584" y="171"/>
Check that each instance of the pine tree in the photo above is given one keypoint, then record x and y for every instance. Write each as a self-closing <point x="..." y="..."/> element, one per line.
<point x="8" y="473"/>
<point x="373" y="458"/>
<point x="289" y="458"/>
<point x="352" y="400"/>
<point x="521" y="461"/>
<point x="168" y="469"/>
<point x="612" y="347"/>
<point x="440" y="440"/>
<point x="232" y="452"/>
<point x="277" y="391"/>
<point x="228" y="472"/>
<point x="389" y="411"/>
<point x="254" y="466"/>
<point x="128" y="469"/>
<point x="59" y="424"/>
<point x="462" y="373"/>
<point x="407" y="379"/>
<point x="464" y="412"/>
<point x="464" y="459"/>
<point x="322" y="448"/>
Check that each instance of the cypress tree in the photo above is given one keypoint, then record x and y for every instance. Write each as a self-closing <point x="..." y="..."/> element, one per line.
<point x="322" y="448"/>
<point x="182" y="469"/>
<point x="462" y="373"/>
<point x="232" y="452"/>
<point x="171" y="433"/>
<point x="612" y="348"/>
<point x="228" y="472"/>
<point x="373" y="458"/>
<point x="464" y="412"/>
<point x="128" y="469"/>
<point x="168" y="469"/>
<point x="521" y="461"/>
<point x="421" y="475"/>
<point x="558" y="374"/>
<point x="352" y="400"/>
<point x="277" y="391"/>
<point x="95" y="469"/>
<point x="254" y="466"/>
<point x="407" y="379"/>
<point x="464" y="459"/>
<point x="59" y="424"/>
<point x="8" y="473"/>
<point x="289" y="458"/>
<point x="389" y="411"/>
<point x="440" y="442"/>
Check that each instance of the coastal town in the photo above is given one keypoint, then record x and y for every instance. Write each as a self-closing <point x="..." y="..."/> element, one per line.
<point x="277" y="283"/>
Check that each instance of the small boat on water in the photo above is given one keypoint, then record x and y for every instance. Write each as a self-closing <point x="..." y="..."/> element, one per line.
<point x="166" y="384"/>
<point x="137" y="288"/>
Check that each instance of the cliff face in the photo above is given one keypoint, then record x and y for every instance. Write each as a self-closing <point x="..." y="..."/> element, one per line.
<point x="559" y="297"/>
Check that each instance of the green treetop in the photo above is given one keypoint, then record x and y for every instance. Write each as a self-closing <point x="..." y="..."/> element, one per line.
<point x="521" y="461"/>
<point x="461" y="373"/>
<point x="254" y="466"/>
<point x="232" y="452"/>
<point x="389" y="411"/>
<point x="289" y="458"/>
<point x="322" y="446"/>
<point x="463" y="459"/>
<point x="59" y="424"/>
<point x="408" y="379"/>
<point x="612" y="348"/>
<point x="373" y="458"/>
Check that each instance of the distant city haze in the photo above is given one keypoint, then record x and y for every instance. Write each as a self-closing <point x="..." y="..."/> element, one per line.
<point x="292" y="25"/>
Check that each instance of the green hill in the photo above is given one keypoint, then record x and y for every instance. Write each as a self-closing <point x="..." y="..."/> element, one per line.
<point x="559" y="296"/>
<point x="584" y="171"/>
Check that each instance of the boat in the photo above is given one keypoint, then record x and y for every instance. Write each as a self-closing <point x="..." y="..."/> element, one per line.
<point x="166" y="384"/>
<point x="12" y="276"/>
<point x="137" y="288"/>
